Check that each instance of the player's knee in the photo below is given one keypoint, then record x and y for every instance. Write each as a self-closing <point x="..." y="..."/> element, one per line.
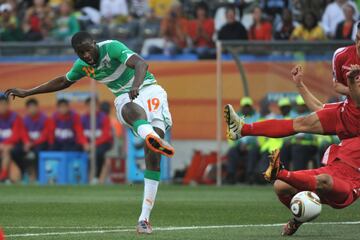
<point x="132" y="112"/>
<point x="282" y="188"/>
<point x="324" y="182"/>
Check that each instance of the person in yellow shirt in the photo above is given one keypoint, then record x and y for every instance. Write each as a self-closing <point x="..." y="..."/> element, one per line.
<point x="309" y="30"/>
<point x="161" y="7"/>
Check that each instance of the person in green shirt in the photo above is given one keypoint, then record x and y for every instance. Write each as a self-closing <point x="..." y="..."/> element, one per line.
<point x="140" y="103"/>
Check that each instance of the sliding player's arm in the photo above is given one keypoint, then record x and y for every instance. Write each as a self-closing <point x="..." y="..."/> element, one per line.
<point x="341" y="88"/>
<point x="353" y="78"/>
<point x="313" y="103"/>
<point x="53" y="85"/>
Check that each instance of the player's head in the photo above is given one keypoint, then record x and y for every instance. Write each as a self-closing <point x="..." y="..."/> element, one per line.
<point x="63" y="106"/>
<point x="88" y="104"/>
<point x="284" y="106"/>
<point x="230" y="14"/>
<point x="246" y="104"/>
<point x="300" y="105"/>
<point x="32" y="106"/>
<point x="4" y="104"/>
<point x="85" y="47"/>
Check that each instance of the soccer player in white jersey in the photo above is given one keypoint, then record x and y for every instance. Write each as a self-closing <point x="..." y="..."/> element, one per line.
<point x="140" y="102"/>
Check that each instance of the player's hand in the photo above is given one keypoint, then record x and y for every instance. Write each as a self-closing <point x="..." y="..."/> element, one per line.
<point x="134" y="93"/>
<point x="297" y="74"/>
<point x="354" y="72"/>
<point x="16" y="92"/>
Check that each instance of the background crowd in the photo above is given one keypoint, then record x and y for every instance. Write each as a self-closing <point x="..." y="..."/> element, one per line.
<point x="22" y="138"/>
<point x="178" y="26"/>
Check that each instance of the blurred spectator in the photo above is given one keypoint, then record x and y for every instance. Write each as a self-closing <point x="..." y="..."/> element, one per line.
<point x="173" y="31"/>
<point x="286" y="26"/>
<point x="161" y="7"/>
<point x="333" y="15"/>
<point x="38" y="129"/>
<point x="232" y="30"/>
<point x="79" y="4"/>
<point x="149" y="26"/>
<point x="69" y="133"/>
<point x="9" y="24"/>
<point x="303" y="145"/>
<point x="201" y="30"/>
<point x="245" y="151"/>
<point x="220" y="18"/>
<point x="38" y="21"/>
<point x="285" y="108"/>
<point x="114" y="9"/>
<point x="298" y="7"/>
<point x="11" y="133"/>
<point x="309" y="29"/>
<point x="261" y="29"/>
<point x="140" y="8"/>
<point x="344" y="29"/>
<point x="274" y="7"/>
<point x="103" y="135"/>
<point x="55" y="3"/>
<point x="66" y="24"/>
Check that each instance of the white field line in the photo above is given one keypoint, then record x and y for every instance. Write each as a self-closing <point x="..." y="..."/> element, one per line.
<point x="166" y="229"/>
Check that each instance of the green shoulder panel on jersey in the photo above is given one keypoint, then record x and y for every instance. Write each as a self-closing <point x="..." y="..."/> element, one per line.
<point x="111" y="68"/>
<point x="76" y="72"/>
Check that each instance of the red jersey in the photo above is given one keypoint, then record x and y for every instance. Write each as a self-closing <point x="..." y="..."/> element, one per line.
<point x="342" y="59"/>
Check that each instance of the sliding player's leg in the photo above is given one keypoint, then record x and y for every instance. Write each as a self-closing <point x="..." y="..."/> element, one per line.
<point x="135" y="116"/>
<point x="321" y="122"/>
<point x="151" y="183"/>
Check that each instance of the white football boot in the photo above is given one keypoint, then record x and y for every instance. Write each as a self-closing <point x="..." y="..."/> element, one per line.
<point x="234" y="123"/>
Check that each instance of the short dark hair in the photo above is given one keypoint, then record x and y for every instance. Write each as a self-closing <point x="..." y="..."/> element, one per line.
<point x="31" y="101"/>
<point x="81" y="37"/>
<point x="88" y="100"/>
<point x="62" y="101"/>
<point x="3" y="98"/>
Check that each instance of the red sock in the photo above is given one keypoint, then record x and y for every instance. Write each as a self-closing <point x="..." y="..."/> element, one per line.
<point x="269" y="128"/>
<point x="3" y="174"/>
<point x="285" y="199"/>
<point x="298" y="179"/>
<point x="340" y="191"/>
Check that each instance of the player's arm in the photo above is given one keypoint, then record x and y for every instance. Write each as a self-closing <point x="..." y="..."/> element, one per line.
<point x="140" y="66"/>
<point x="353" y="78"/>
<point x="341" y="88"/>
<point x="53" y="85"/>
<point x="313" y="103"/>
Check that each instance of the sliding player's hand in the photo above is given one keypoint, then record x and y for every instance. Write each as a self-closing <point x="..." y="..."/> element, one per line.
<point x="134" y="93"/>
<point x="297" y="74"/>
<point x="354" y="72"/>
<point x="16" y="92"/>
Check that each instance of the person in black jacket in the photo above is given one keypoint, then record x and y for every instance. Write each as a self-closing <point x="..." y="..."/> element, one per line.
<point x="232" y="30"/>
<point x="344" y="28"/>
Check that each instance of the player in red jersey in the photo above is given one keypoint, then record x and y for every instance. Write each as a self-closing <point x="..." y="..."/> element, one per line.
<point x="337" y="183"/>
<point x="342" y="120"/>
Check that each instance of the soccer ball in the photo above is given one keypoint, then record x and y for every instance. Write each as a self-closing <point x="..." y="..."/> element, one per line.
<point x="305" y="206"/>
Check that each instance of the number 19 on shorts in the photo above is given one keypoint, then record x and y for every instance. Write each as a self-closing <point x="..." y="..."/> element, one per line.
<point x="153" y="104"/>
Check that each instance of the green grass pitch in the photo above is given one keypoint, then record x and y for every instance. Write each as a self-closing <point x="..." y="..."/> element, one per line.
<point x="111" y="212"/>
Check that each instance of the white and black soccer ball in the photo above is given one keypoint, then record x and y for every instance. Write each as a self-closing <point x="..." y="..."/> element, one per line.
<point x="305" y="206"/>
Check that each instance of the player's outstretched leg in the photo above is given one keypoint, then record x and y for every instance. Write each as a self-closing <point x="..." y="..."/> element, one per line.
<point x="274" y="128"/>
<point x="151" y="183"/>
<point x="135" y="116"/>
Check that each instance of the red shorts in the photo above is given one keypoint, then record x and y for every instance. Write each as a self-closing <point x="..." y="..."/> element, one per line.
<point x="347" y="175"/>
<point x="341" y="119"/>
